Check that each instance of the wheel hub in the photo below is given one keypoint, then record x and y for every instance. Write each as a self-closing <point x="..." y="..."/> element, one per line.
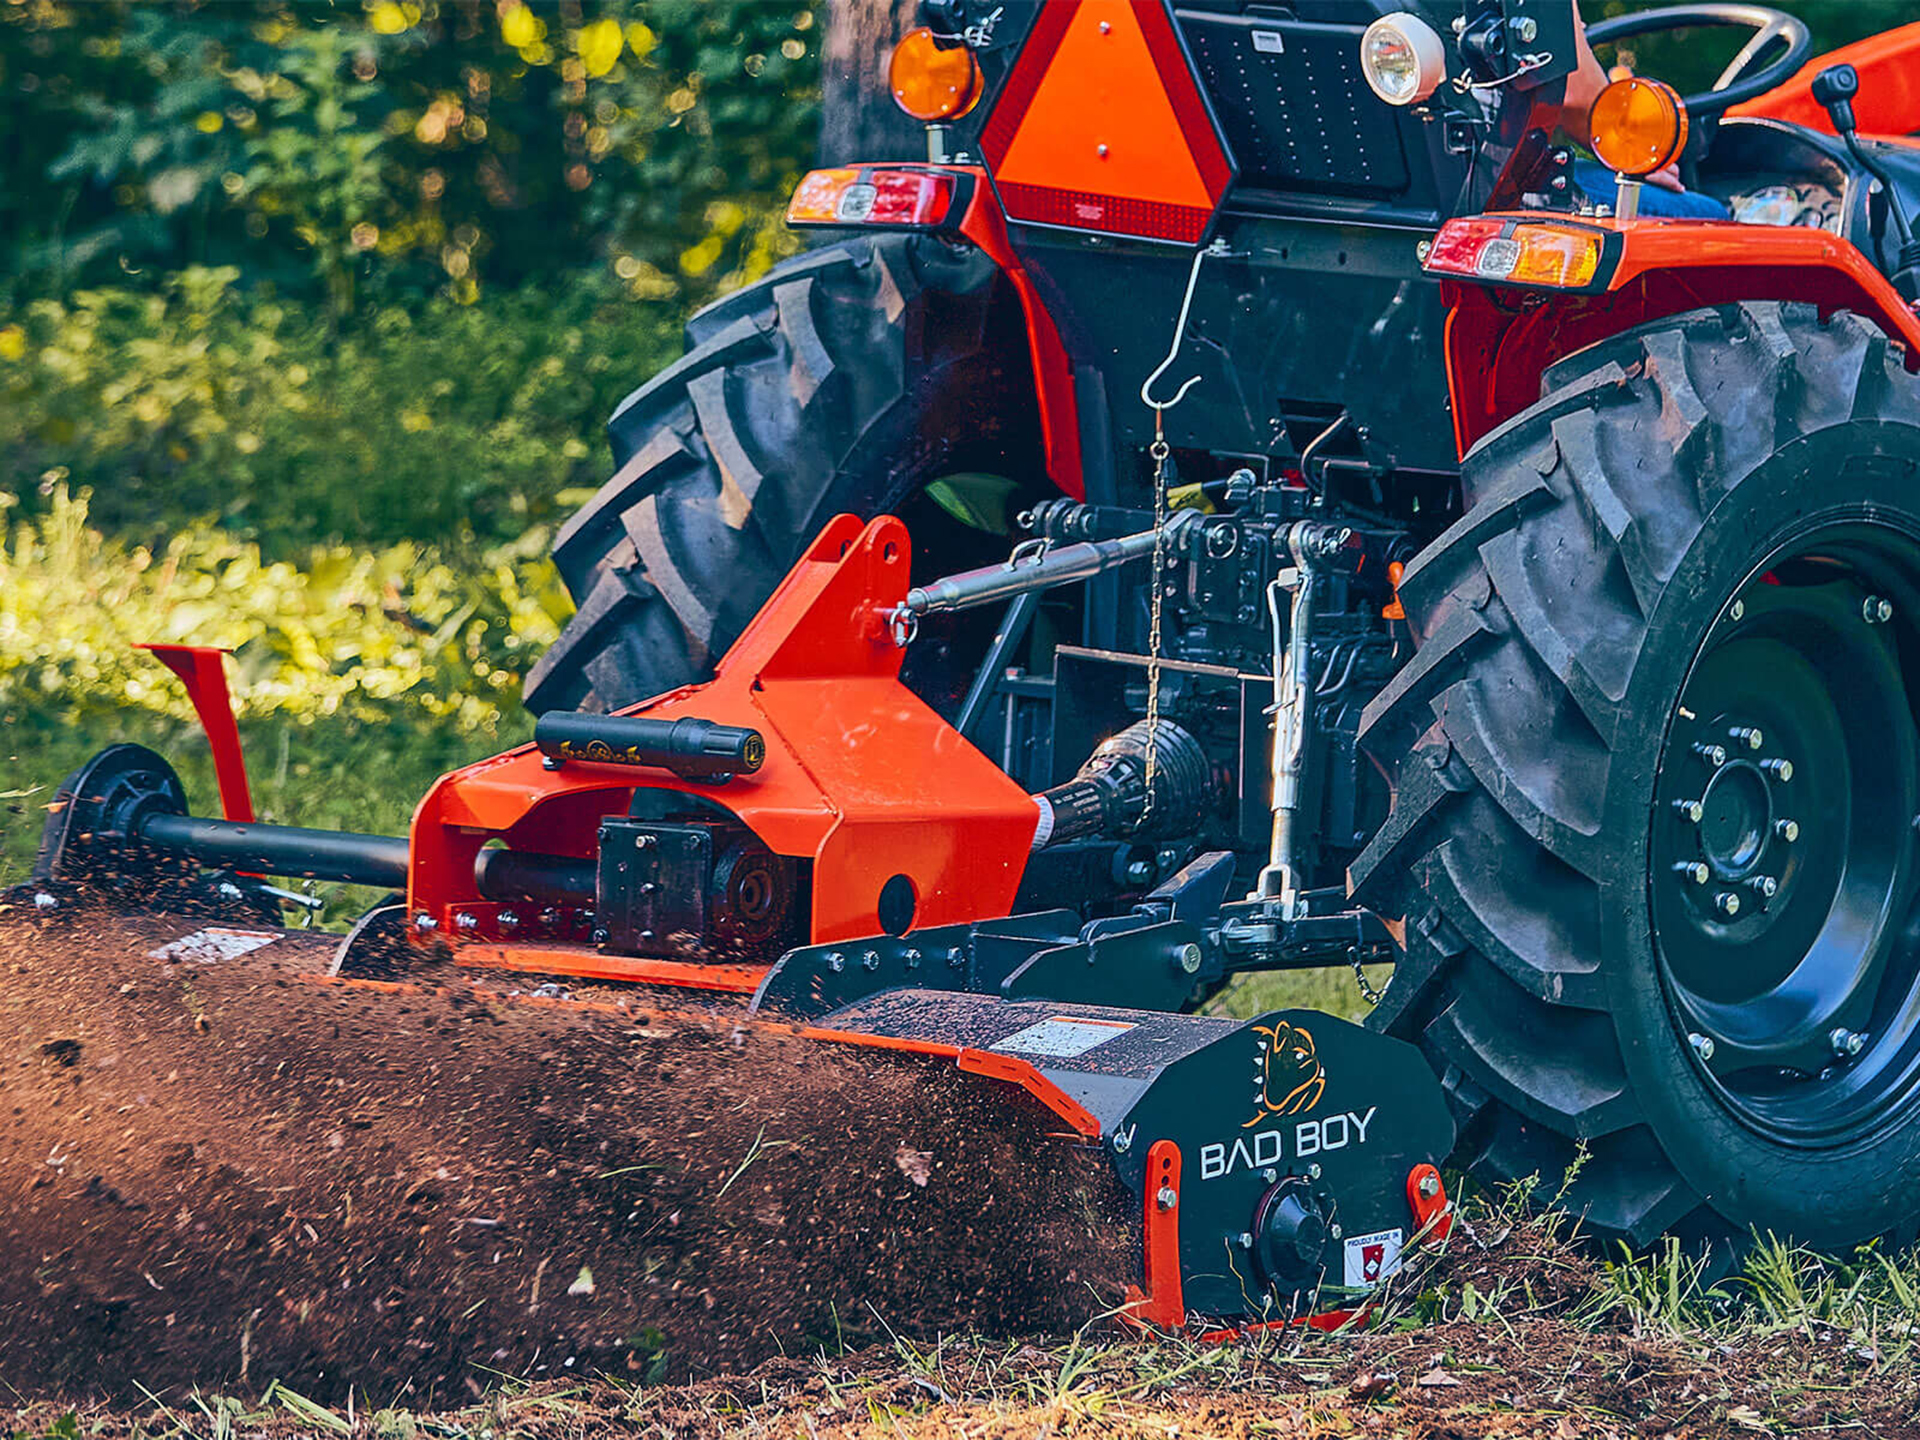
<point x="1781" y="872"/>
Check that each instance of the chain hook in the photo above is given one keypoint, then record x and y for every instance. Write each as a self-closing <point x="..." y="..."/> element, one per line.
<point x="1218" y="249"/>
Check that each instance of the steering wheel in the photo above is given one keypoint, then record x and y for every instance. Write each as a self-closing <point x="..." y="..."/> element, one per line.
<point x="1768" y="25"/>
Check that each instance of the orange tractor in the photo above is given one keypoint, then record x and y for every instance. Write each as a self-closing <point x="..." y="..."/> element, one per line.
<point x="1350" y="523"/>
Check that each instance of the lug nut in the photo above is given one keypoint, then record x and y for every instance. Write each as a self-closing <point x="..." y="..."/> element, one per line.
<point x="1737" y="611"/>
<point x="1714" y="755"/>
<point x="1765" y="886"/>
<point x="1781" y="770"/>
<point x="509" y="921"/>
<point x="1429" y="1186"/>
<point x="1787" y="830"/>
<point x="1190" y="958"/>
<point x="1727" y="903"/>
<point x="1747" y="735"/>
<point x="1702" y="1045"/>
<point x="1336" y="1230"/>
<point x="870" y="960"/>
<point x="464" y="921"/>
<point x="425" y="923"/>
<point x="1846" y="1043"/>
<point x="1694" y="870"/>
<point x="1876" y="610"/>
<point x="1691" y="811"/>
<point x="1167" y="1197"/>
<point x="836" y="962"/>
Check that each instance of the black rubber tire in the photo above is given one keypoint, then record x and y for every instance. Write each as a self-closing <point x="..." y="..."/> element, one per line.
<point x="1605" y="528"/>
<point x="845" y="380"/>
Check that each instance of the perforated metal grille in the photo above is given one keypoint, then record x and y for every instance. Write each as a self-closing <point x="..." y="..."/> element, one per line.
<point x="1295" y="108"/>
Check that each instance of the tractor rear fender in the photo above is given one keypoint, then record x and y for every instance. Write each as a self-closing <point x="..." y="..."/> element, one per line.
<point x="1501" y="338"/>
<point x="972" y="213"/>
<point x="1889" y="100"/>
<point x="860" y="777"/>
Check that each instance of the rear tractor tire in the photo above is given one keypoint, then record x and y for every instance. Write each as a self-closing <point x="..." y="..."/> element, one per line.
<point x="851" y="378"/>
<point x="1657" y="777"/>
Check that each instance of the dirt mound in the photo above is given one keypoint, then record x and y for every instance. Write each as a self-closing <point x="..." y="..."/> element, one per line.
<point x="223" y="1173"/>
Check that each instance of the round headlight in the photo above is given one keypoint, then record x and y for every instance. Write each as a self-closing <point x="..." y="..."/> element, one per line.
<point x="1403" y="58"/>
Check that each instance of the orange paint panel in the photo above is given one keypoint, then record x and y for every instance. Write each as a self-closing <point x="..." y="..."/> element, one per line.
<point x="1160" y="1300"/>
<point x="861" y="776"/>
<point x="1102" y="91"/>
<point x="1889" y="99"/>
<point x="1023" y="1074"/>
<point x="595" y="965"/>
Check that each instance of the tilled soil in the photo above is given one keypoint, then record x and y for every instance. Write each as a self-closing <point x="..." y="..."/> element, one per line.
<point x="223" y="1174"/>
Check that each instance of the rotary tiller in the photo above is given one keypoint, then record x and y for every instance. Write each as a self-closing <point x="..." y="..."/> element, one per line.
<point x="803" y="838"/>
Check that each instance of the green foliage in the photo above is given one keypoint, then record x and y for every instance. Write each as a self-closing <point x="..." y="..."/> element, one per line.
<point x="429" y="422"/>
<point x="360" y="635"/>
<point x="444" y="145"/>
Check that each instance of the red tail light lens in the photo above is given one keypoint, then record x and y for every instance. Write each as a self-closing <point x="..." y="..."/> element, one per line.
<point x="873" y="196"/>
<point x="1508" y="252"/>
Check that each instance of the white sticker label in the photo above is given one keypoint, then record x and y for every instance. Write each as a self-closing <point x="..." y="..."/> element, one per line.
<point x="1372" y="1258"/>
<point x="1062" y="1039"/>
<point x="1269" y="42"/>
<point x="211" y="946"/>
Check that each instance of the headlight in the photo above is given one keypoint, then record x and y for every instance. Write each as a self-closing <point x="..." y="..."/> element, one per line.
<point x="1403" y="58"/>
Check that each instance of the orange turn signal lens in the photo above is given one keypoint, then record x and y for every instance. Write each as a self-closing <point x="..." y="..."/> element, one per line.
<point x="876" y="195"/>
<point x="1562" y="257"/>
<point x="1638" y="126"/>
<point x="931" y="81"/>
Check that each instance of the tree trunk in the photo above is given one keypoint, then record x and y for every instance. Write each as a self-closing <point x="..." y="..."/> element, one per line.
<point x="858" y="119"/>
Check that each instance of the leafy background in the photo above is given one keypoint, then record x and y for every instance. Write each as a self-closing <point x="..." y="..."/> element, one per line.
<point x="310" y="315"/>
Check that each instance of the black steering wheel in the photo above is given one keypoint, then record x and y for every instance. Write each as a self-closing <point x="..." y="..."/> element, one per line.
<point x="1769" y="27"/>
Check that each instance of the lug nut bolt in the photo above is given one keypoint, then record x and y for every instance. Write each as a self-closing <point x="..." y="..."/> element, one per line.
<point x="425" y="923"/>
<point x="1737" y="611"/>
<point x="464" y="921"/>
<point x="1727" y="903"/>
<point x="1691" y="811"/>
<point x="836" y="962"/>
<point x="1167" y="1197"/>
<point x="1714" y="755"/>
<point x="509" y="921"/>
<point x="1748" y="736"/>
<point x="1429" y="1186"/>
<point x="1702" y="1045"/>
<point x="1876" y="610"/>
<point x="1764" y="886"/>
<point x="1190" y="958"/>
<point x="1694" y="870"/>
<point x="1845" y="1042"/>
<point x="1781" y="770"/>
<point x="1787" y="830"/>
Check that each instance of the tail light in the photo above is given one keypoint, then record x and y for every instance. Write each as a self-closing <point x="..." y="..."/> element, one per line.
<point x="1503" y="251"/>
<point x="873" y="195"/>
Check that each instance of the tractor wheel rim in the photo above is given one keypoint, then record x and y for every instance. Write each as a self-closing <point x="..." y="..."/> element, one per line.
<point x="1782" y="867"/>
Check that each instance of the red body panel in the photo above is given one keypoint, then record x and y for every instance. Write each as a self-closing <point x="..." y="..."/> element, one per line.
<point x="203" y="670"/>
<point x="986" y="226"/>
<point x="1499" y="340"/>
<point x="861" y="776"/>
<point x="1889" y="99"/>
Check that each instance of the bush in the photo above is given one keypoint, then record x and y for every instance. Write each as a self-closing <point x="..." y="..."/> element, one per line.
<point x="434" y="423"/>
<point x="367" y="636"/>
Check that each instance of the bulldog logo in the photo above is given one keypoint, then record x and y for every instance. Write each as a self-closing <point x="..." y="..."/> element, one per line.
<point x="1289" y="1079"/>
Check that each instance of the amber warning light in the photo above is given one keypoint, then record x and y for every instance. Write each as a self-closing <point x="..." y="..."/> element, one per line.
<point x="932" y="81"/>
